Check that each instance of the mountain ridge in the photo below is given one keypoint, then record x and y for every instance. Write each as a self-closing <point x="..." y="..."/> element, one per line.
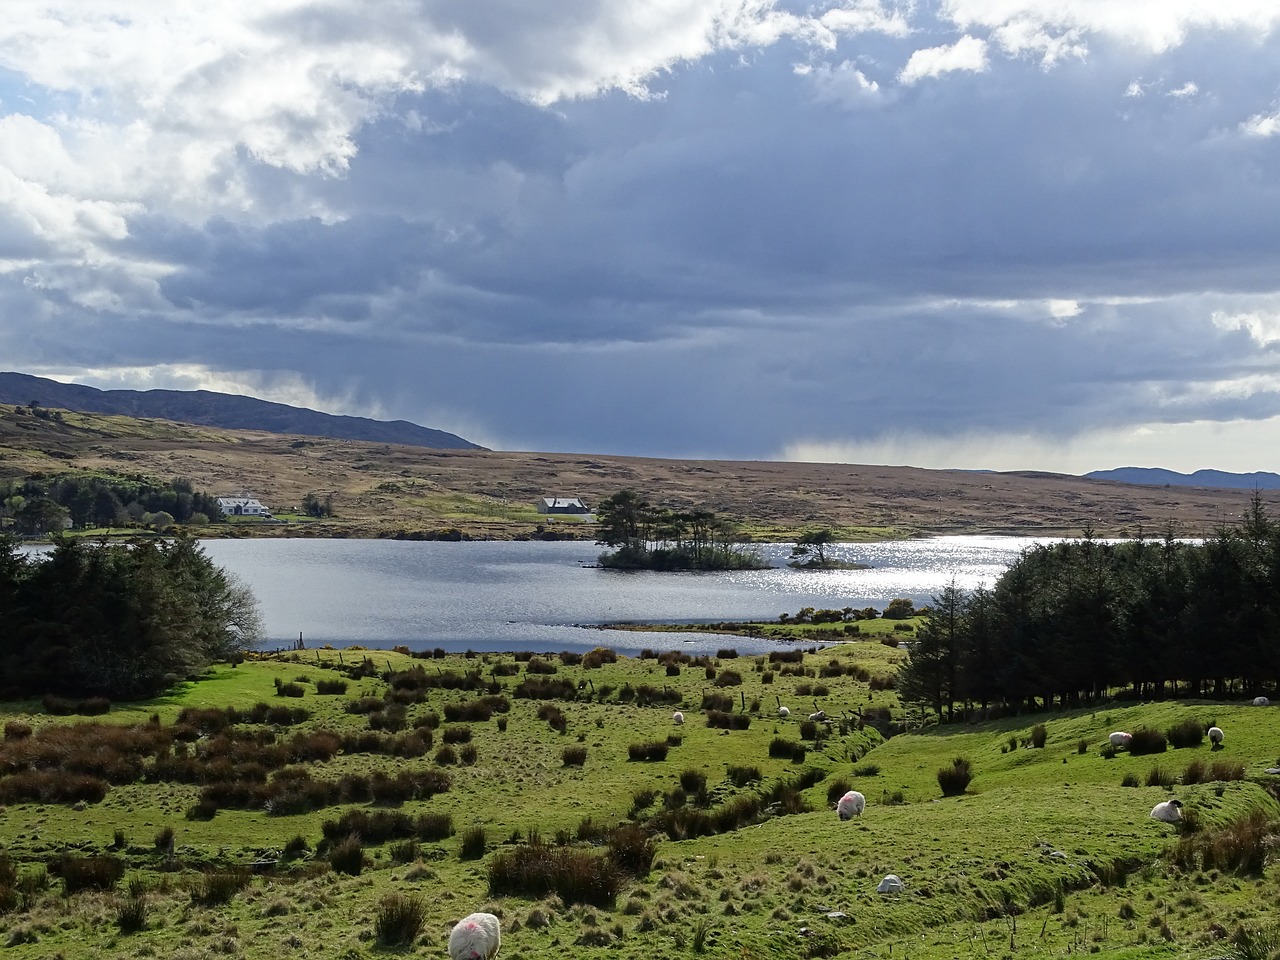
<point x="1158" y="476"/>
<point x="223" y="410"/>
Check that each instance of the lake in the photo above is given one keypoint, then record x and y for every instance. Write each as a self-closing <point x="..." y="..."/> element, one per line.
<point x="501" y="595"/>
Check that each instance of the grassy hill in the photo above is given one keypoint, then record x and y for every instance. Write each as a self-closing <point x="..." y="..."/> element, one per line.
<point x="1048" y="852"/>
<point x="383" y="489"/>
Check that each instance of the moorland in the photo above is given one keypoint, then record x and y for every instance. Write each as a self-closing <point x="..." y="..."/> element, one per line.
<point x="389" y="490"/>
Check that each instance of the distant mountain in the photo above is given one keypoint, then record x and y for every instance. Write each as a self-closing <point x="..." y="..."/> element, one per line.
<point x="222" y="410"/>
<point x="1155" y="477"/>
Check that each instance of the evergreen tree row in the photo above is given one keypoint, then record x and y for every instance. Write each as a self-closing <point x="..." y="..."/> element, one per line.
<point x="40" y="504"/>
<point x="122" y="621"/>
<point x="1071" y="622"/>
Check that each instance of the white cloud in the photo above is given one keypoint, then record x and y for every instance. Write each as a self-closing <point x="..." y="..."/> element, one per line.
<point x="1185" y="92"/>
<point x="1152" y="25"/>
<point x="844" y="84"/>
<point x="1261" y="125"/>
<point x="967" y="54"/>
<point x="1135" y="89"/>
<point x="1262" y="325"/>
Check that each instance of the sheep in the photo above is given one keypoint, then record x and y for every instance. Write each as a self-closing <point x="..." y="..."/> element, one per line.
<point x="851" y="805"/>
<point x="783" y="712"/>
<point x="890" y="884"/>
<point x="1169" y="811"/>
<point x="1261" y="702"/>
<point x="819" y="715"/>
<point x="677" y="718"/>
<point x="1120" y="739"/>
<point x="476" y="937"/>
<point x="1215" y="737"/>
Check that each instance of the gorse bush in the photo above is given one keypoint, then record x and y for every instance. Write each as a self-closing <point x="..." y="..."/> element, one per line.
<point x="955" y="779"/>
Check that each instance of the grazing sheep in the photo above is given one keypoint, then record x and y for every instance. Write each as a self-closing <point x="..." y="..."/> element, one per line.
<point x="1169" y="811"/>
<point x="1215" y="737"/>
<point x="476" y="937"/>
<point x="818" y="716"/>
<point x="677" y="718"/>
<point x="1261" y="702"/>
<point x="1120" y="739"/>
<point x="783" y="712"/>
<point x="890" y="884"/>
<point x="851" y="805"/>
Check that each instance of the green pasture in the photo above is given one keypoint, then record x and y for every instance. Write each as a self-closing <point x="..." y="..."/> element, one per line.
<point x="1047" y="853"/>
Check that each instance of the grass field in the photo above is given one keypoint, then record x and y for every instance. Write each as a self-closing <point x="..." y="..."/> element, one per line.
<point x="1047" y="853"/>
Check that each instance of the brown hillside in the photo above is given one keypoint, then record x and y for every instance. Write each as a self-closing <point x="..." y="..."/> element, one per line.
<point x="379" y="489"/>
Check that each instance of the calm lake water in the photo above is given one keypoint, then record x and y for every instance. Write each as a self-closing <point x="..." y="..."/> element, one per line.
<point x="542" y="596"/>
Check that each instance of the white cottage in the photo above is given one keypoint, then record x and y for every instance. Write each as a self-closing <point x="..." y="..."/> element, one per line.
<point x="242" y="507"/>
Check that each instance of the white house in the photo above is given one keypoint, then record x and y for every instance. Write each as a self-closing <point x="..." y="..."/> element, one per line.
<point x="571" y="506"/>
<point x="242" y="507"/>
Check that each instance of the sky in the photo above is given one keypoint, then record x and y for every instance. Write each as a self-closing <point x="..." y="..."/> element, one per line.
<point x="983" y="234"/>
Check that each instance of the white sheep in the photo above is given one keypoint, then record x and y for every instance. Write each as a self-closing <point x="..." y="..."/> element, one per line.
<point x="1168" y="811"/>
<point x="1261" y="702"/>
<point x="476" y="937"/>
<point x="818" y="717"/>
<point x="677" y="718"/>
<point x="851" y="805"/>
<point x="1120" y="739"/>
<point x="784" y="712"/>
<point x="1215" y="736"/>
<point x="890" y="884"/>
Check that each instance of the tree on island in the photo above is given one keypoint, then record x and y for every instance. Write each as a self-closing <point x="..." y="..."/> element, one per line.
<point x="811" y="549"/>
<point x="649" y="537"/>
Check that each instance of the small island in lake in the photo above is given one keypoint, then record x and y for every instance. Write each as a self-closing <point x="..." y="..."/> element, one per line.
<point x="810" y="553"/>
<point x="649" y="537"/>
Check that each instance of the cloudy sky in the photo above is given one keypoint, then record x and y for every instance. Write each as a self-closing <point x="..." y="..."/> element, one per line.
<point x="1003" y="234"/>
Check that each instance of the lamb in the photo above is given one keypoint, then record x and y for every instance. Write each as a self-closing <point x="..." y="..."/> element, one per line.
<point x="1120" y="739"/>
<point x="476" y="937"/>
<point x="677" y="718"/>
<point x="1169" y="811"/>
<point x="851" y="805"/>
<point x="1215" y="737"/>
<point x="1261" y="702"/>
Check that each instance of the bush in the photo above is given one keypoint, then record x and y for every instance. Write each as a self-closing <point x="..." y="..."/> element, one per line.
<point x="1147" y="741"/>
<point x="575" y="876"/>
<point x="1240" y="847"/>
<point x="722" y="720"/>
<point x="1159" y="778"/>
<point x="954" y="780"/>
<point x="331" y="686"/>
<point x="729" y="678"/>
<point x="473" y="844"/>
<point x="1185" y="733"/>
<point x="88" y="873"/>
<point x="347" y="856"/>
<point x="289" y="690"/>
<point x="434" y="827"/>
<point x="468" y="755"/>
<point x="632" y="849"/>
<point x="717" y="701"/>
<point x="743" y="776"/>
<point x="653" y="750"/>
<point x="691" y="781"/>
<point x="780" y="748"/>
<point x="1039" y="735"/>
<point x="131" y="914"/>
<point x="219" y="887"/>
<point x="399" y="920"/>
<point x="574" y="756"/>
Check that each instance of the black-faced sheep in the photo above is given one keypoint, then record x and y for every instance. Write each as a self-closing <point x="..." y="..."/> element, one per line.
<point x="1168" y="811"/>
<point x="476" y="937"/>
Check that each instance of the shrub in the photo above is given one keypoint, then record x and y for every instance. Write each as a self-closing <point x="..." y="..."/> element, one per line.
<point x="717" y="701"/>
<point x="219" y="887"/>
<point x="598" y="658"/>
<point x="691" y="781"/>
<point x="1226" y="770"/>
<point x="434" y="827"/>
<point x="954" y="780"/>
<point x="289" y="690"/>
<point x="838" y="788"/>
<point x="809" y="729"/>
<point x="632" y="849"/>
<point x="347" y="856"/>
<point x="575" y="876"/>
<point x="866" y="770"/>
<point x="473" y="844"/>
<point x="331" y="686"/>
<point x="1130" y="780"/>
<point x="1185" y="733"/>
<point x="653" y="750"/>
<point x="1159" y="778"/>
<point x="1240" y="847"/>
<point x="446" y="756"/>
<point x="574" y="756"/>
<point x="406" y="851"/>
<point x="780" y="748"/>
<point x="88" y="873"/>
<point x="399" y="920"/>
<point x="131" y="914"/>
<point x="554" y="716"/>
<point x="722" y="720"/>
<point x="728" y="678"/>
<point x="743" y="776"/>
<point x="1147" y="741"/>
<point x="17" y="730"/>
<point x="1039" y="735"/>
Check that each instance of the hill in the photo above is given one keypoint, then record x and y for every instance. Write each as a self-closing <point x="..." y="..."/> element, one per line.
<point x="383" y="489"/>
<point x="224" y="410"/>
<point x="1155" y="476"/>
